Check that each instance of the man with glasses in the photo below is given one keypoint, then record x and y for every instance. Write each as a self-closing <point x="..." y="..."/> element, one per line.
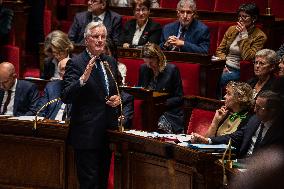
<point x="262" y="130"/>
<point x="187" y="34"/>
<point x="98" y="12"/>
<point x="17" y="97"/>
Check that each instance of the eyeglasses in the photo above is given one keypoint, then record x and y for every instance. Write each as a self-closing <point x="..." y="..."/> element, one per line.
<point x="260" y="63"/>
<point x="188" y="12"/>
<point x="141" y="9"/>
<point x="243" y="16"/>
<point x="258" y="107"/>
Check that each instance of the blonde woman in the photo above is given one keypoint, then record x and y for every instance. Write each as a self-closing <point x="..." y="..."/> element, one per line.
<point x="157" y="75"/>
<point x="233" y="115"/>
<point x="57" y="46"/>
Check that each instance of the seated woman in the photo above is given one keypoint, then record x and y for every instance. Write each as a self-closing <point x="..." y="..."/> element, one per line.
<point x="233" y="115"/>
<point x="159" y="76"/>
<point x="264" y="70"/>
<point x="137" y="32"/>
<point x="57" y="46"/>
<point x="240" y="42"/>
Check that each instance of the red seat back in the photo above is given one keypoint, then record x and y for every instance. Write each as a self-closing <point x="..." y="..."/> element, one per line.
<point x="132" y="66"/>
<point x="47" y="22"/>
<point x="207" y="5"/>
<point x="190" y="74"/>
<point x="276" y="9"/>
<point x="163" y="21"/>
<point x="11" y="54"/>
<point x="172" y="4"/>
<point x="227" y="6"/>
<point x="200" y="121"/>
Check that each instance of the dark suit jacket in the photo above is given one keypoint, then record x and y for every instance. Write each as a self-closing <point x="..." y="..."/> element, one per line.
<point x="197" y="37"/>
<point x="48" y="69"/>
<point x="168" y="81"/>
<point x="151" y="33"/>
<point x="26" y="99"/>
<point x="267" y="86"/>
<point x="112" y="21"/>
<point x="52" y="91"/>
<point x="90" y="115"/>
<point x="241" y="139"/>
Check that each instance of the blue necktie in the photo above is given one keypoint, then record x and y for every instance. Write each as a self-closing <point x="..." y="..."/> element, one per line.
<point x="101" y="73"/>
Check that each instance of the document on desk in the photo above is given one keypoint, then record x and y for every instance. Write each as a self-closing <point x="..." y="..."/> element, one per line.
<point x="26" y="118"/>
<point x="207" y="147"/>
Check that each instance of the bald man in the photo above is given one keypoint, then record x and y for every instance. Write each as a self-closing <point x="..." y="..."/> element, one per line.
<point x="17" y="97"/>
<point x="57" y="110"/>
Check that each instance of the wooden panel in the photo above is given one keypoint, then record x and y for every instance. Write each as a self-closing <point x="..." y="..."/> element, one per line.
<point x="32" y="161"/>
<point x="149" y="172"/>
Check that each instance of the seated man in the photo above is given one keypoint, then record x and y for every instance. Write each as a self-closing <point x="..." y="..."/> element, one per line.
<point x="57" y="110"/>
<point x="97" y="11"/>
<point x="187" y="34"/>
<point x="262" y="130"/>
<point x="17" y="97"/>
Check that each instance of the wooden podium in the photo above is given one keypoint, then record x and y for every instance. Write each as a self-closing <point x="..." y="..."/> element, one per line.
<point x="152" y="106"/>
<point x="39" y="158"/>
<point x="144" y="163"/>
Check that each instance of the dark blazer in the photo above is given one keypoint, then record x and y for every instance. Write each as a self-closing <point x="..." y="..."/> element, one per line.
<point x="267" y="86"/>
<point x="90" y="115"/>
<point x="48" y="69"/>
<point x="168" y="81"/>
<point x="26" y="98"/>
<point x="112" y="21"/>
<point x="51" y="91"/>
<point x="151" y="33"/>
<point x="241" y="139"/>
<point x="197" y="37"/>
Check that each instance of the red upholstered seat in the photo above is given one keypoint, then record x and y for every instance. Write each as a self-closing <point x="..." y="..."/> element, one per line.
<point x="190" y="74"/>
<point x="169" y="4"/>
<point x="276" y="9"/>
<point x="227" y="6"/>
<point x="10" y="53"/>
<point x="132" y="66"/>
<point x="65" y="25"/>
<point x="137" y="118"/>
<point x="163" y="21"/>
<point x="31" y="72"/>
<point x="77" y="1"/>
<point x="247" y="71"/>
<point x="214" y="30"/>
<point x="126" y="18"/>
<point x="200" y="121"/>
<point x="111" y="173"/>
<point x="207" y="5"/>
<point x="47" y="22"/>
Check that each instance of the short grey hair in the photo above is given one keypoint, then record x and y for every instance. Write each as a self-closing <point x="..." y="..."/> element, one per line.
<point x="269" y="55"/>
<point x="92" y="25"/>
<point x="182" y="3"/>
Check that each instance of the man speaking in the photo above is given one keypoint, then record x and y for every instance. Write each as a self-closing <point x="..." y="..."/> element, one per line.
<point x="89" y="86"/>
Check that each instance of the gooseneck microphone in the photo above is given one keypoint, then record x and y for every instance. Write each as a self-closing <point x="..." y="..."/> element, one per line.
<point x="45" y="105"/>
<point x="106" y="65"/>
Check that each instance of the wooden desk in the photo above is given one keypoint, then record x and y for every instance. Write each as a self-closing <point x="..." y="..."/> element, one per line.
<point x="35" y="159"/>
<point x="151" y="107"/>
<point x="144" y="163"/>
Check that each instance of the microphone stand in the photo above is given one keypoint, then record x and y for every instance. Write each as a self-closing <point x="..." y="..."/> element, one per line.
<point x="106" y="65"/>
<point x="228" y="163"/>
<point x="45" y="105"/>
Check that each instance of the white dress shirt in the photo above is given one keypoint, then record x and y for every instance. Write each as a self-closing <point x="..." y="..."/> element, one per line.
<point x="10" y="107"/>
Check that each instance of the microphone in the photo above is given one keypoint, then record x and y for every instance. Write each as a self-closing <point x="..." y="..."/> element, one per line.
<point x="228" y="162"/>
<point x="45" y="105"/>
<point x="106" y="65"/>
